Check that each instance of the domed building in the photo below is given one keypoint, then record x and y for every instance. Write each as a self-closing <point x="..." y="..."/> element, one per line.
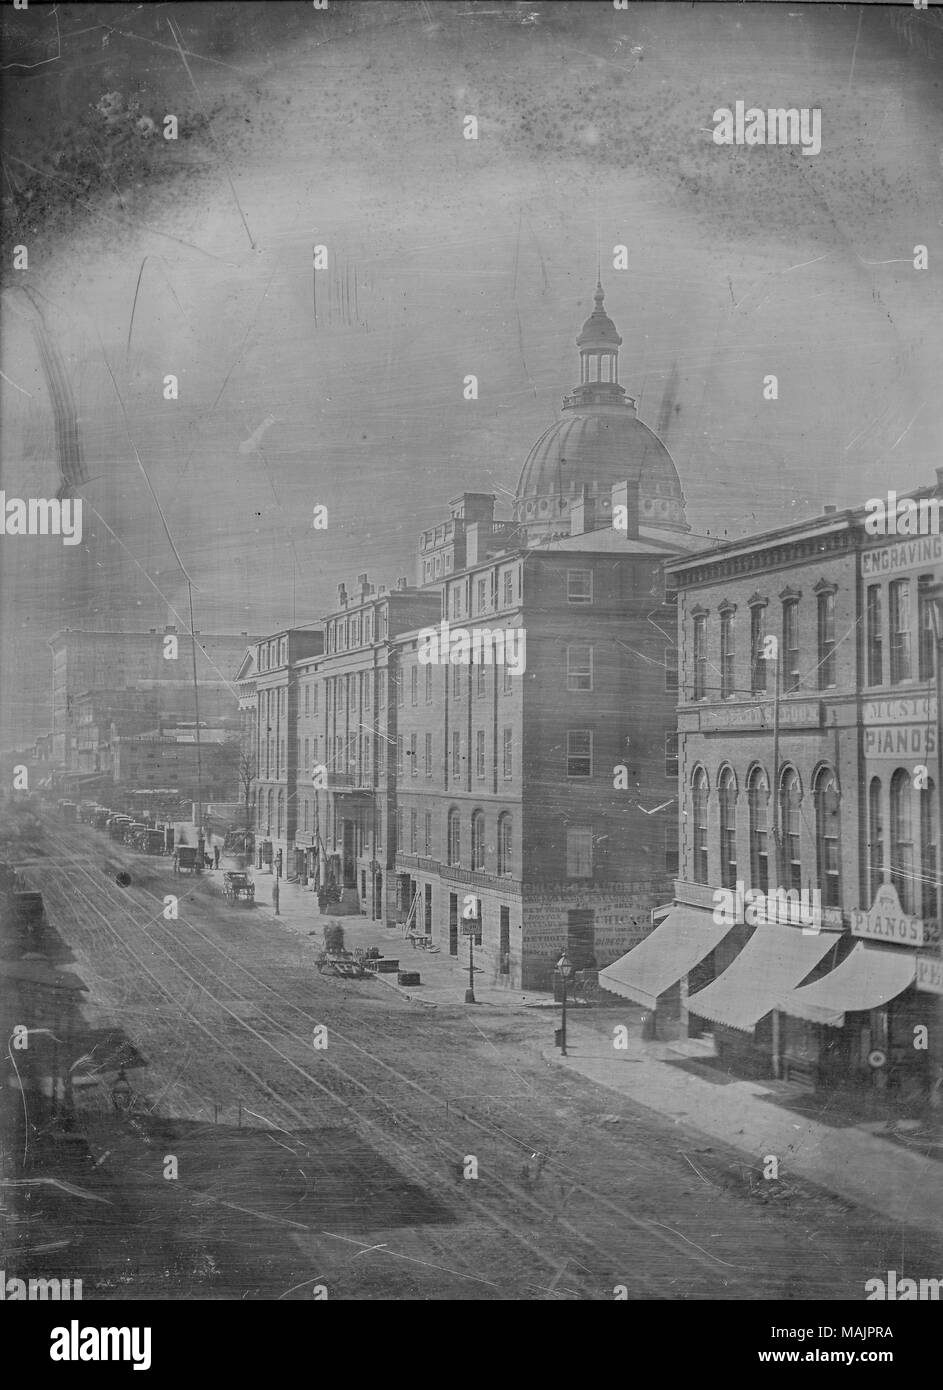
<point x="598" y="441"/>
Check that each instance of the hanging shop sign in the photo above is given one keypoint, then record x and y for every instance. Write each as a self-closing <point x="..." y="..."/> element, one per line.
<point x="887" y="921"/>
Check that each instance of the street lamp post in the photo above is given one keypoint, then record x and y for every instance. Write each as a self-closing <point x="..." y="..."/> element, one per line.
<point x="935" y="595"/>
<point x="566" y="970"/>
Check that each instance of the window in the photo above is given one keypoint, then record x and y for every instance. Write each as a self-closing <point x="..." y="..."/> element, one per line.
<point x="366" y="684"/>
<point x="728" y="829"/>
<point x="508" y="593"/>
<point x="353" y="682"/>
<point x="928" y="850"/>
<point x="413" y="840"/>
<point x="875" y="837"/>
<point x="481" y="603"/>
<point x="790" y="812"/>
<point x="826" y="627"/>
<point x="579" y="666"/>
<point x="428" y="755"/>
<point x="758" y="806"/>
<point x="478" y="840"/>
<point x="281" y="814"/>
<point x="700" y="657"/>
<point x="926" y="668"/>
<point x="307" y="699"/>
<point x="579" y="586"/>
<point x="456" y="754"/>
<point x="414" y="685"/>
<point x="790" y="653"/>
<point x="399" y="680"/>
<point x="429" y="685"/>
<point x="579" y="851"/>
<point x="727" y="653"/>
<point x="381" y="756"/>
<point x="456" y="682"/>
<point x="454" y="838"/>
<point x="398" y="830"/>
<point x="699" y="825"/>
<point x="355" y="632"/>
<point x="413" y="756"/>
<point x="579" y="753"/>
<point x="479" y="753"/>
<point x="504" y="843"/>
<point x="508" y="753"/>
<point x="382" y="677"/>
<point x="307" y="762"/>
<point x="427" y="832"/>
<point x="671" y="754"/>
<point x="400" y="750"/>
<point x="902" y="838"/>
<point x="481" y="682"/>
<point x="671" y="670"/>
<point x="671" y="847"/>
<point x="828" y="836"/>
<point x="875" y="636"/>
<point x="367" y="628"/>
<point x="506" y="686"/>
<point x="898" y="603"/>
<point x="757" y="635"/>
<point x="456" y="602"/>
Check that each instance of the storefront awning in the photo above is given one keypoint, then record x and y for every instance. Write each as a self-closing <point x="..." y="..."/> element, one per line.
<point x="677" y="945"/>
<point x="773" y="962"/>
<point x="867" y="978"/>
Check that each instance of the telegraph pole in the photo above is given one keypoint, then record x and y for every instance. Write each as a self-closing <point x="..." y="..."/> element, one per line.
<point x="200" y="847"/>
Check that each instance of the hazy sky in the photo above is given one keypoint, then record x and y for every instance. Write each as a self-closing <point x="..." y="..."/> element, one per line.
<point x="447" y="257"/>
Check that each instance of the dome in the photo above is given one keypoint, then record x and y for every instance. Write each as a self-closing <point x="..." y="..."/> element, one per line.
<point x="599" y="441"/>
<point x="595" y="451"/>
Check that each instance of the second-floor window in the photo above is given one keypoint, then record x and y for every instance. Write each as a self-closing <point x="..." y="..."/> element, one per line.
<point x="456" y="754"/>
<point x="414" y="685"/>
<point x="898" y="608"/>
<point x="579" y="586"/>
<point x="413" y="756"/>
<point x="480" y="753"/>
<point x="671" y="754"/>
<point x="579" y="666"/>
<point x="699" y="826"/>
<point x="757" y="644"/>
<point x="875" y="635"/>
<point x="726" y="653"/>
<point x="508" y="752"/>
<point x="579" y="753"/>
<point x="826" y="629"/>
<point x="428" y="755"/>
<point x="828" y="836"/>
<point x="700" y="657"/>
<point x="926" y="667"/>
<point x="758" y="806"/>
<point x="728" y="829"/>
<point x="790" y="808"/>
<point x="790" y="651"/>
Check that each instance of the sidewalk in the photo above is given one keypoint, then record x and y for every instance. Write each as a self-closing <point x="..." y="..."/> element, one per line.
<point x="898" y="1182"/>
<point x="444" y="977"/>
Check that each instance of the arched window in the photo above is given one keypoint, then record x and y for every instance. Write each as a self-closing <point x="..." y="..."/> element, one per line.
<point x="828" y="836"/>
<point x="504" y="843"/>
<point x="790" y="797"/>
<point x="699" y="825"/>
<point x="727" y="789"/>
<point x="454" y="838"/>
<point x="929" y="831"/>
<point x="478" y="840"/>
<point x="902" y="838"/>
<point x="758" y="800"/>
<point x="875" y="838"/>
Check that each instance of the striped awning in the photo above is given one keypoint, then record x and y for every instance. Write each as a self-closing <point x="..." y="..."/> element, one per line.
<point x="677" y="945"/>
<point x="774" y="961"/>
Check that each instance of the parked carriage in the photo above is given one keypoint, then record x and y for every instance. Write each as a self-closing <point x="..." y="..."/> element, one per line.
<point x="238" y="888"/>
<point x="186" y="860"/>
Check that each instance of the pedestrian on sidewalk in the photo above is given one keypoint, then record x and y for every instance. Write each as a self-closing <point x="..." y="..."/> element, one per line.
<point x="275" y="895"/>
<point x="216" y="856"/>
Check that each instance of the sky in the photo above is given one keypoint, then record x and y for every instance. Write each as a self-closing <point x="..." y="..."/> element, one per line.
<point x="447" y="257"/>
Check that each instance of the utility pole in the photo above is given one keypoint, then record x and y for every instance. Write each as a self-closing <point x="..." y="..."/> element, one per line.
<point x="200" y="847"/>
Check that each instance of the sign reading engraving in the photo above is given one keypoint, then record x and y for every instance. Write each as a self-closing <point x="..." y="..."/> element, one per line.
<point x="887" y="921"/>
<point x="907" y="555"/>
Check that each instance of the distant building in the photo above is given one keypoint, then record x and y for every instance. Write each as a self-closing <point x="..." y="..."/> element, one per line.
<point x="168" y="757"/>
<point x="156" y="664"/>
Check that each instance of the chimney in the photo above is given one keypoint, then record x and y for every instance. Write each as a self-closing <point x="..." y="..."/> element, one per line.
<point x="402" y="582"/>
<point x="829" y="509"/>
<point x="625" y="521"/>
<point x="342" y="596"/>
<point x="939" y="477"/>
<point x="583" y="514"/>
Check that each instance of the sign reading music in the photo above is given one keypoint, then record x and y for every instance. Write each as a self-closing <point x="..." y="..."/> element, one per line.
<point x="901" y="727"/>
<point x="887" y="921"/>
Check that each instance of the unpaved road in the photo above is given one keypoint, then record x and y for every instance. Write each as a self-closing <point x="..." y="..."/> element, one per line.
<point x="344" y="1168"/>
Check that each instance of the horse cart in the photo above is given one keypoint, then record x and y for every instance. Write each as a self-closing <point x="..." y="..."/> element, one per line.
<point x="238" y="888"/>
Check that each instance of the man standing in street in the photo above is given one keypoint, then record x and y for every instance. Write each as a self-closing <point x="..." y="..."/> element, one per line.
<point x="275" y="894"/>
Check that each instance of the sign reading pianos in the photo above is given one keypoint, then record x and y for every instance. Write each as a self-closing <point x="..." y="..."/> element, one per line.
<point x="888" y="922"/>
<point x="900" y="728"/>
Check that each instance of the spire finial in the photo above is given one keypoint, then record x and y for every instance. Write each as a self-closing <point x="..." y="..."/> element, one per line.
<point x="598" y="296"/>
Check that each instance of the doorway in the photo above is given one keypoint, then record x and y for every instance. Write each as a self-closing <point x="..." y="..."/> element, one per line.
<point x="505" y="941"/>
